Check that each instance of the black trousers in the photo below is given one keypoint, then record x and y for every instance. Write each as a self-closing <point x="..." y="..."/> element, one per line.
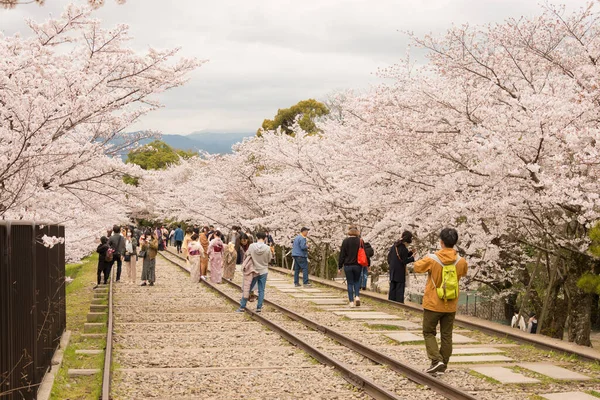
<point x="117" y="259"/>
<point x="178" y="243"/>
<point x="103" y="268"/>
<point x="396" y="292"/>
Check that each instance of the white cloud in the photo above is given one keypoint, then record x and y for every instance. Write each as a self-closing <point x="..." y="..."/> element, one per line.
<point x="269" y="54"/>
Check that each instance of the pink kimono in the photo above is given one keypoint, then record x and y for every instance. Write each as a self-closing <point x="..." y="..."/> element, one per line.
<point x="216" y="248"/>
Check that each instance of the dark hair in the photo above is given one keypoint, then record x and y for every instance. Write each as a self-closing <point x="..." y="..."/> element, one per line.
<point x="244" y="236"/>
<point x="116" y="228"/>
<point x="261" y="235"/>
<point x="406" y="237"/>
<point x="196" y="230"/>
<point x="103" y="239"/>
<point x="218" y="234"/>
<point x="211" y="226"/>
<point x="205" y="229"/>
<point x="148" y="232"/>
<point x="449" y="236"/>
<point x="194" y="236"/>
<point x="179" y="226"/>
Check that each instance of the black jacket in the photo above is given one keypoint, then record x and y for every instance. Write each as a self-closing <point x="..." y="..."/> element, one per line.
<point x="101" y="250"/>
<point x="369" y="251"/>
<point x="398" y="258"/>
<point x="349" y="251"/>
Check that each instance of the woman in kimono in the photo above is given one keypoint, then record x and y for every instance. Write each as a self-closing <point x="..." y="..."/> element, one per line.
<point x="229" y="262"/>
<point x="195" y="253"/>
<point x="215" y="254"/>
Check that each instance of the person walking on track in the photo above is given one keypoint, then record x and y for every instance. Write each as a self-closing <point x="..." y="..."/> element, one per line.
<point x="398" y="259"/>
<point x="229" y="261"/>
<point x="117" y="243"/>
<point x="260" y="255"/>
<point x="349" y="262"/>
<point x="195" y="253"/>
<point x="300" y="256"/>
<point x="204" y="242"/>
<point x="103" y="265"/>
<point x="178" y="235"/>
<point x="130" y="258"/>
<point x="444" y="269"/>
<point x="216" y="248"/>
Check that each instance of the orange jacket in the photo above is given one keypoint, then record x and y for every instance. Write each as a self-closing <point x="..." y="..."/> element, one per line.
<point x="431" y="301"/>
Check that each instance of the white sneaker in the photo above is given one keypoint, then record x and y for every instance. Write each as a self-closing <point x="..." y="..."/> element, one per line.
<point x="357" y="301"/>
<point x="351" y="304"/>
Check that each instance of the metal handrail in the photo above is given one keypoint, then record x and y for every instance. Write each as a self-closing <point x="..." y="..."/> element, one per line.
<point x="106" y="376"/>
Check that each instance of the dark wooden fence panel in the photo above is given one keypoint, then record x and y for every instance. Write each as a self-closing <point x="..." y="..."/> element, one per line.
<point x="32" y="306"/>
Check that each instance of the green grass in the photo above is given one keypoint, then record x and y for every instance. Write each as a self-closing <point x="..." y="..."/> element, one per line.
<point x="593" y="393"/>
<point x="79" y="297"/>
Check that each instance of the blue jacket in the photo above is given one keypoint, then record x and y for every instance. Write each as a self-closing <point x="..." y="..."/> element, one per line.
<point x="179" y="234"/>
<point x="300" y="248"/>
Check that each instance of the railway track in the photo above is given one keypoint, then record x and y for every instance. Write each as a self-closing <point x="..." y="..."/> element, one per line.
<point x="174" y="340"/>
<point x="473" y="323"/>
<point x="355" y="352"/>
<point x="181" y="340"/>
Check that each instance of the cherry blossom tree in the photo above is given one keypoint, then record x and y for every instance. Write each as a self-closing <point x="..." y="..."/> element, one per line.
<point x="68" y="94"/>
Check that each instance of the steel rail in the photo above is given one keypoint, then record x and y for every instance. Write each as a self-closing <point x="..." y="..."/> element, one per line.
<point x="352" y="377"/>
<point x="446" y="390"/>
<point x="484" y="326"/>
<point x="106" y="376"/>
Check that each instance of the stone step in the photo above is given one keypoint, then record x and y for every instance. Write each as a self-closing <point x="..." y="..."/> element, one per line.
<point x="568" y="395"/>
<point x="404" y="337"/>
<point x="93" y="327"/>
<point x="399" y="324"/>
<point x="89" y="352"/>
<point x="367" y="315"/>
<point x="96" y="316"/>
<point x="504" y="375"/>
<point x="99" y="307"/>
<point x="554" y="371"/>
<point x="83" y="372"/>
<point x="323" y="302"/>
<point x="99" y="301"/>
<point x="100" y="296"/>
<point x="480" y="359"/>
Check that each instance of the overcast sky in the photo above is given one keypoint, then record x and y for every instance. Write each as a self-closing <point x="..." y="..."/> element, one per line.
<point x="269" y="54"/>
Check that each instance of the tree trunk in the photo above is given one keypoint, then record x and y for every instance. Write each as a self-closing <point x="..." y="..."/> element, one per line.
<point x="551" y="321"/>
<point x="525" y="299"/>
<point x="580" y="303"/>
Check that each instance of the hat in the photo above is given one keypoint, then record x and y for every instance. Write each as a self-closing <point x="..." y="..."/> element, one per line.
<point x="304" y="229"/>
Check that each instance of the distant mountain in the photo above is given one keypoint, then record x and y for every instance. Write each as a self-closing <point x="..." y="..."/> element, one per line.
<point x="211" y="142"/>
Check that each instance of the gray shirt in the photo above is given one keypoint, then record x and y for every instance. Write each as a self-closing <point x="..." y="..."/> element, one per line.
<point x="261" y="255"/>
<point x="117" y="242"/>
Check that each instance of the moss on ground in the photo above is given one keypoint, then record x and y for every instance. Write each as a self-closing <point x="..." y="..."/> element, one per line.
<point x="79" y="297"/>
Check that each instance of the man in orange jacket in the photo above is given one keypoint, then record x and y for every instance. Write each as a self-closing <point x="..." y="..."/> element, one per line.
<point x="436" y="309"/>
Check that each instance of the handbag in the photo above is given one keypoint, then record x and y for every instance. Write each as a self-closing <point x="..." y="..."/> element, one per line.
<point x="142" y="254"/>
<point x="127" y="257"/>
<point x="361" y="257"/>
